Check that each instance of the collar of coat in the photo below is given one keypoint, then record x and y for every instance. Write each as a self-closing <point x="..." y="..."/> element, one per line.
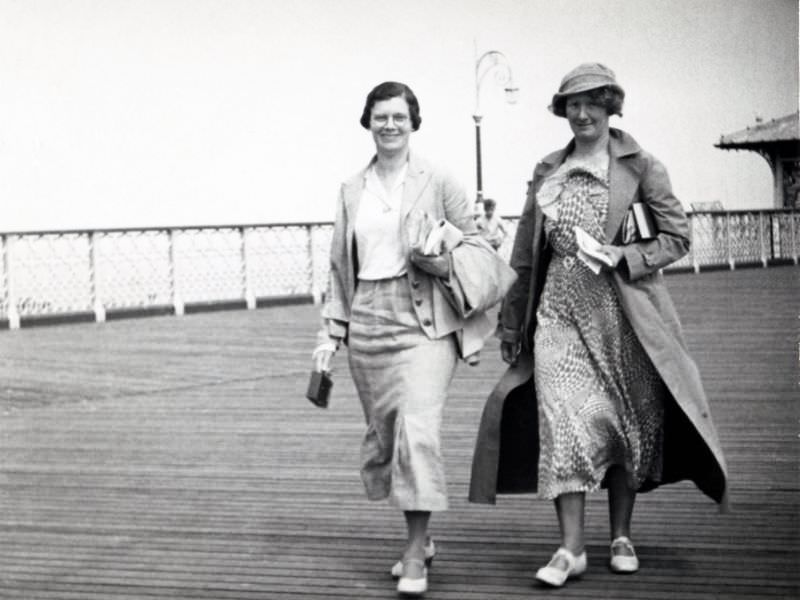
<point x="624" y="174"/>
<point x="418" y="176"/>
<point x="620" y="144"/>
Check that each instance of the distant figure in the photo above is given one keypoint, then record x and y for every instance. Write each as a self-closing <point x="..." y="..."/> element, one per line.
<point x="600" y="391"/>
<point x="385" y="303"/>
<point x="490" y="226"/>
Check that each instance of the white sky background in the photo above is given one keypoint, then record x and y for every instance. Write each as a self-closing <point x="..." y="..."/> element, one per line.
<point x="128" y="113"/>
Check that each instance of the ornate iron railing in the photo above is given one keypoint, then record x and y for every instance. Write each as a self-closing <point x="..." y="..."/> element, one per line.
<point x="731" y="239"/>
<point x="109" y="273"/>
<point x="101" y="274"/>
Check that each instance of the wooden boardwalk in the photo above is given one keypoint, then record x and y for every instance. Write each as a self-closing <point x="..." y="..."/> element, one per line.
<point x="172" y="457"/>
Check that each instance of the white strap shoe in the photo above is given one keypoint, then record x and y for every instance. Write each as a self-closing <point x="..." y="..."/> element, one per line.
<point x="413" y="587"/>
<point x="564" y="565"/>
<point x="623" y="556"/>
<point x="430" y="552"/>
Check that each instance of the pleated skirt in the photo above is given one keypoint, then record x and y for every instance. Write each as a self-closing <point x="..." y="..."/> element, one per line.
<point x="402" y="378"/>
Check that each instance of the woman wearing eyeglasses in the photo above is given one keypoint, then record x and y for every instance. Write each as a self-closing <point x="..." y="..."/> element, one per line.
<point x="400" y="331"/>
<point x="601" y="392"/>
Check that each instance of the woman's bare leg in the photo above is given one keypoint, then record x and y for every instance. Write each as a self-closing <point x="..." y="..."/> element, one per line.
<point x="417" y="523"/>
<point x="570" y="509"/>
<point x="621" y="499"/>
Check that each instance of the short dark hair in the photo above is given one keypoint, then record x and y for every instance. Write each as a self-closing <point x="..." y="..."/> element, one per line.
<point x="488" y="202"/>
<point x="387" y="90"/>
<point x="605" y="96"/>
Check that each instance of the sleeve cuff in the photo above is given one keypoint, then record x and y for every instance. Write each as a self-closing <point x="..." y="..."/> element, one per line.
<point x="634" y="263"/>
<point x="332" y="330"/>
<point x="511" y="336"/>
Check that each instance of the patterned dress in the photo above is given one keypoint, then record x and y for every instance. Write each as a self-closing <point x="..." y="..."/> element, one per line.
<point x="600" y="399"/>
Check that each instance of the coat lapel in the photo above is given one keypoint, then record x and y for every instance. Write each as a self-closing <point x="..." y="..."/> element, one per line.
<point x="622" y="181"/>
<point x="623" y="186"/>
<point x="417" y="178"/>
<point x="353" y="190"/>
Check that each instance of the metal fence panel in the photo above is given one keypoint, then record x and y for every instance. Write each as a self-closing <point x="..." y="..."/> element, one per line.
<point x="278" y="260"/>
<point x="49" y="273"/>
<point x="133" y="269"/>
<point x="64" y="272"/>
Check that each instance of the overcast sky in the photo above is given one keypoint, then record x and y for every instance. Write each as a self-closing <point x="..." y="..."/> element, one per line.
<point x="189" y="112"/>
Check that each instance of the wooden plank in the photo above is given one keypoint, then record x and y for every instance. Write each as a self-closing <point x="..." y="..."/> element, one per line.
<point x="175" y="457"/>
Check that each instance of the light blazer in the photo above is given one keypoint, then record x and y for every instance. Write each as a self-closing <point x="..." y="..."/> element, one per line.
<point x="507" y="447"/>
<point x="426" y="189"/>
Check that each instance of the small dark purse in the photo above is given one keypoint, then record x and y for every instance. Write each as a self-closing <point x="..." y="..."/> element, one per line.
<point x="638" y="225"/>
<point x="319" y="388"/>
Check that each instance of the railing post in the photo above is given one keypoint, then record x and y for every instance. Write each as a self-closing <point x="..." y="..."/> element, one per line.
<point x="312" y="264"/>
<point x="8" y="291"/>
<point x="761" y="250"/>
<point x="247" y="292"/>
<point x="96" y="302"/>
<point x="794" y="236"/>
<point x="728" y="241"/>
<point x="695" y="262"/>
<point x="177" y="302"/>
<point x="772" y="236"/>
<point x="690" y="257"/>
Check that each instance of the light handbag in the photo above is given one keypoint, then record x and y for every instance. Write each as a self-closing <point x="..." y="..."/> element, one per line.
<point x="480" y="277"/>
<point x="479" y="280"/>
<point x="638" y="224"/>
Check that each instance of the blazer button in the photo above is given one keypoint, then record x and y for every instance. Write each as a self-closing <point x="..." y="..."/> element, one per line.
<point x="427" y="322"/>
<point x="418" y="301"/>
<point x="415" y="284"/>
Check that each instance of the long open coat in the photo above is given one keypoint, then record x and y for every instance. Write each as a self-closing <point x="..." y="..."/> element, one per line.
<point x="507" y="449"/>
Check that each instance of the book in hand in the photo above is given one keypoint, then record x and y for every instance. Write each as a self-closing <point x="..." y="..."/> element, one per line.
<point x="444" y="236"/>
<point x="431" y="236"/>
<point x="319" y="388"/>
<point x="589" y="251"/>
<point x="638" y="224"/>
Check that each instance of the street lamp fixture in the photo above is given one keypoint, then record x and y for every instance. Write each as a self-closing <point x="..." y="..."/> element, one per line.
<point x="492" y="61"/>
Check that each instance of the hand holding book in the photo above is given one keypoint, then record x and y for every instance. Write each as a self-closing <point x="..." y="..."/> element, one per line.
<point x="431" y="241"/>
<point x="430" y="236"/>
<point x="594" y="254"/>
<point x="638" y="224"/>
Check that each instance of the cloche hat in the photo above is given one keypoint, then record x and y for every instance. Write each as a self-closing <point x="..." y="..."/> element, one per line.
<point x="585" y="77"/>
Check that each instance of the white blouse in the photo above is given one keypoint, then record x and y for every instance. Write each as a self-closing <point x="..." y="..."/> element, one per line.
<point x="381" y="254"/>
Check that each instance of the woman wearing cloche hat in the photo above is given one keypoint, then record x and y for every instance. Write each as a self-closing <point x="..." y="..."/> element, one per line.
<point x="600" y="391"/>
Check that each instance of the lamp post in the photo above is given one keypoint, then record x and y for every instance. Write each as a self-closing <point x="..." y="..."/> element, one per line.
<point x="496" y="62"/>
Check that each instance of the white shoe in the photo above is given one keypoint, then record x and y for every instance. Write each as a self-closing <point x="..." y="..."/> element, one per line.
<point x="407" y="586"/>
<point x="555" y="574"/>
<point x="623" y="563"/>
<point x="430" y="552"/>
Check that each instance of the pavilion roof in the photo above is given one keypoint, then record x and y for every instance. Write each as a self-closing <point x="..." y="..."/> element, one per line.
<point x="763" y="133"/>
